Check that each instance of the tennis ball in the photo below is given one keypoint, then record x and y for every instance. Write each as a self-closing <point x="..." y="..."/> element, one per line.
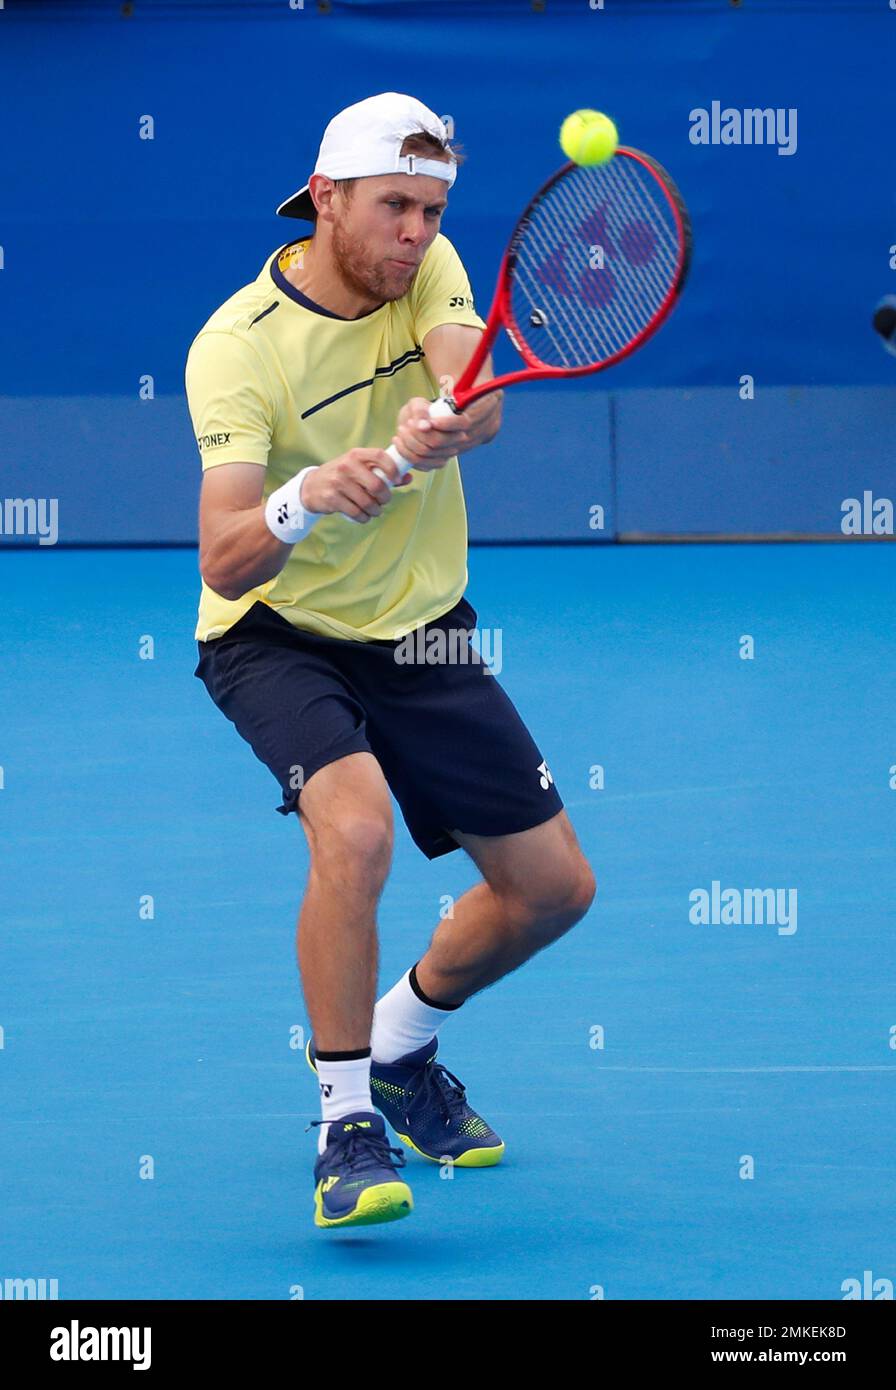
<point x="588" y="137"/>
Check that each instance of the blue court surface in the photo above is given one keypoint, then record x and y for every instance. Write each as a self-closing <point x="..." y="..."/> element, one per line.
<point x="158" y="1037"/>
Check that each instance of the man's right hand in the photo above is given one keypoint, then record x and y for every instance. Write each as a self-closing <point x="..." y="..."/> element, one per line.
<point x="349" y="485"/>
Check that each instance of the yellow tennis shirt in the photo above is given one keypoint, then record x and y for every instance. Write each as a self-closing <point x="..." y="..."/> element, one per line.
<point x="274" y="379"/>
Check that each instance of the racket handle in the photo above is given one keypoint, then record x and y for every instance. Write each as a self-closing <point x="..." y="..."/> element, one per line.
<point x="440" y="407"/>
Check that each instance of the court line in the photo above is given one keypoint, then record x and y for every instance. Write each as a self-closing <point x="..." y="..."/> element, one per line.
<point x="713" y="1071"/>
<point x="680" y="791"/>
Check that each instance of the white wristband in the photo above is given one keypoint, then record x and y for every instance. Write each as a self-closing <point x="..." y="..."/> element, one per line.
<point x="284" y="513"/>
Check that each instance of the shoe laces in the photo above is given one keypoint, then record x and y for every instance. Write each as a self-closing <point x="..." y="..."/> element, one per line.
<point x="438" y="1086"/>
<point x="362" y="1148"/>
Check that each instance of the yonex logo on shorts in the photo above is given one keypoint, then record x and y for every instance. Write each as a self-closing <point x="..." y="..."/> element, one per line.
<point x="212" y="441"/>
<point x="460" y="646"/>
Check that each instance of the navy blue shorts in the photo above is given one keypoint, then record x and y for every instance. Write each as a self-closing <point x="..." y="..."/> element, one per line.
<point x="451" y="745"/>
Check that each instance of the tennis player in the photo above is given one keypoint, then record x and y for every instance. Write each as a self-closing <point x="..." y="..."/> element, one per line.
<point x="316" y="563"/>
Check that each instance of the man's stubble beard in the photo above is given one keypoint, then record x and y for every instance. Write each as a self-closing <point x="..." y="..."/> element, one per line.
<point x="348" y="253"/>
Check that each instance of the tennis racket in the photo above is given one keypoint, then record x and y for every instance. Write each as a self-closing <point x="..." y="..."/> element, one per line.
<point x="595" y="265"/>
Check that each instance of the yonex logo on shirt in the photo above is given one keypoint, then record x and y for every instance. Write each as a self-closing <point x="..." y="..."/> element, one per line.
<point x="461" y="301"/>
<point x="212" y="441"/>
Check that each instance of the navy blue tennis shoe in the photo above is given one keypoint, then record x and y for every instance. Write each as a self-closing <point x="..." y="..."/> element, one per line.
<point x="356" y="1176"/>
<point x="427" y="1107"/>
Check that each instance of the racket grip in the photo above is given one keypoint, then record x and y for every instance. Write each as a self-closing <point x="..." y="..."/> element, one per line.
<point x="440" y="407"/>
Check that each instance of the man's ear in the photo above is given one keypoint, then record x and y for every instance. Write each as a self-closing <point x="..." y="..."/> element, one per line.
<point x="323" y="191"/>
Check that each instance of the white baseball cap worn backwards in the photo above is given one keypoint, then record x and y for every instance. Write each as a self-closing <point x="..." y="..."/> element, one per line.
<point x="366" y="139"/>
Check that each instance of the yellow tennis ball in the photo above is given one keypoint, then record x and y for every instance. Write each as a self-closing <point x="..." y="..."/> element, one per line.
<point x="588" y="137"/>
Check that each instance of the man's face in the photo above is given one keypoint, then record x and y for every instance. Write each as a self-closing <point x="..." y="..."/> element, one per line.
<point x="382" y="232"/>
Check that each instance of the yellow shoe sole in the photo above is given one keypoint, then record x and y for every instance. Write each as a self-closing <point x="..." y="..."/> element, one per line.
<point x="473" y="1158"/>
<point x="387" y="1201"/>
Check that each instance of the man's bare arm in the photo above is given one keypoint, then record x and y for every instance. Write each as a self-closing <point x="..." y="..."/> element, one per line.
<point x="238" y="551"/>
<point x="427" y="443"/>
<point x="448" y="349"/>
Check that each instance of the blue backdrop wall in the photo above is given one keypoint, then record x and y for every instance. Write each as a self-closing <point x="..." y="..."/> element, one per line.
<point x="115" y="249"/>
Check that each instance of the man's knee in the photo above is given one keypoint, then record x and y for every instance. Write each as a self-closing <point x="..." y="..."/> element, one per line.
<point x="358" y="843"/>
<point x="583" y="892"/>
<point x="574" y="894"/>
<point x="556" y="900"/>
<point x="347" y="816"/>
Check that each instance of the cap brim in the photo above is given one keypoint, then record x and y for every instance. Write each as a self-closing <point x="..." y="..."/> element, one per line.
<point x="300" y="204"/>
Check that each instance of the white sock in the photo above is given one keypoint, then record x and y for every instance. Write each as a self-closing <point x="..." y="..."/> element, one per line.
<point x="402" y="1021"/>
<point x="344" y="1090"/>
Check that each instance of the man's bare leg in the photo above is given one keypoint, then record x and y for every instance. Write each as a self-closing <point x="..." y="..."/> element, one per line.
<point x="537" y="884"/>
<point x="347" y="818"/>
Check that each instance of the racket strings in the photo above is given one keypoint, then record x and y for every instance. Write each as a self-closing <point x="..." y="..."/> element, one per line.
<point x="567" y="306"/>
<point x="559" y="317"/>
<point x="651" y="280"/>
<point x="625" y="302"/>
<point x="571" y="312"/>
<point x="564" y="323"/>
<point x="614" y="329"/>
